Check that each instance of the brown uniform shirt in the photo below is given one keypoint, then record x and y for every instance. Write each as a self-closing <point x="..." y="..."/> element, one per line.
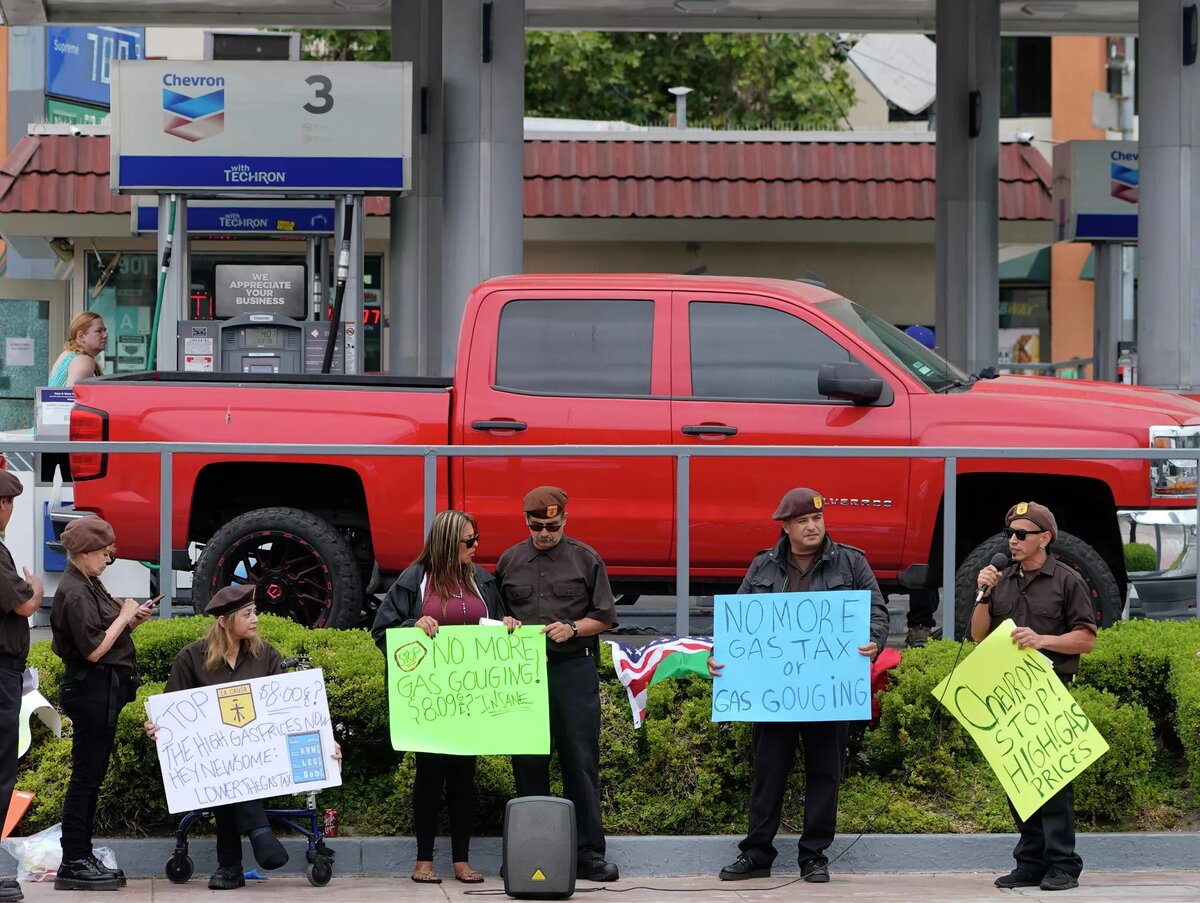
<point x="567" y="581"/>
<point x="79" y="617"/>
<point x="14" y="591"/>
<point x="189" y="671"/>
<point x="1054" y="601"/>
<point x="799" y="581"/>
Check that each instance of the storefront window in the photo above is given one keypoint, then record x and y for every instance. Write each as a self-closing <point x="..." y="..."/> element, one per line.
<point x="1024" y="325"/>
<point x="121" y="287"/>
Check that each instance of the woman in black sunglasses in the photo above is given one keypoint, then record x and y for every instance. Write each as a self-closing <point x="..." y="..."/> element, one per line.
<point x="443" y="587"/>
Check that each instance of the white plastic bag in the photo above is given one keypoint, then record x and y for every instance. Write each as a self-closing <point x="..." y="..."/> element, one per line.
<point x="38" y="857"/>
<point x="106" y="856"/>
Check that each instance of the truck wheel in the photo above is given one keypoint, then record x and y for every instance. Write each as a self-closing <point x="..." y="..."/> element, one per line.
<point x="304" y="568"/>
<point x="1068" y="549"/>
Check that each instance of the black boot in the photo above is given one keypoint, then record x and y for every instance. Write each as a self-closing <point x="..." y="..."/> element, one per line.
<point x="116" y="873"/>
<point x="82" y="874"/>
<point x="227" y="877"/>
<point x="268" y="851"/>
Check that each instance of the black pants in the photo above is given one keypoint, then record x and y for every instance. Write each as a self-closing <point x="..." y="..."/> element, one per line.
<point x="574" y="690"/>
<point x="922" y="603"/>
<point x="10" y="713"/>
<point x="774" y="752"/>
<point x="93" y="698"/>
<point x="457" y="775"/>
<point x="1048" y="836"/>
<point x="233" y="821"/>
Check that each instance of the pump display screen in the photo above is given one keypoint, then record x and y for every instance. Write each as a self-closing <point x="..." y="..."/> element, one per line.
<point x="261" y="337"/>
<point x="269" y="366"/>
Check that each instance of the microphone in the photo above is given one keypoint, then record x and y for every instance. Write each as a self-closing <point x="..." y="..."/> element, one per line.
<point x="999" y="562"/>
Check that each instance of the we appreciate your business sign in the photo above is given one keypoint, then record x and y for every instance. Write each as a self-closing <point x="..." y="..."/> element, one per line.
<point x="216" y="126"/>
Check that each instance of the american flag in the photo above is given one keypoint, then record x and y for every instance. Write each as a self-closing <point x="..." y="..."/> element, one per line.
<point x="635" y="665"/>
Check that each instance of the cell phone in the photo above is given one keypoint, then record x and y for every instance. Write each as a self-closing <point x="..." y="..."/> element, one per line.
<point x="155" y="600"/>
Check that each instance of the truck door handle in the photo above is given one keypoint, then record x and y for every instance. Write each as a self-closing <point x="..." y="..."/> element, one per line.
<point x="486" y="426"/>
<point x="708" y="429"/>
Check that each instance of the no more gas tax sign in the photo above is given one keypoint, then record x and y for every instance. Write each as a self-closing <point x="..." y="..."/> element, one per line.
<point x="220" y="127"/>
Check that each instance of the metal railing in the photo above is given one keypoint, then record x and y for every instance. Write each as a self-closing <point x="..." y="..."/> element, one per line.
<point x="1076" y="363"/>
<point x="682" y="454"/>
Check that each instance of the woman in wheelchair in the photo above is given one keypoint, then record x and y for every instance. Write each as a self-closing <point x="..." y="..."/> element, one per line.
<point x="232" y="650"/>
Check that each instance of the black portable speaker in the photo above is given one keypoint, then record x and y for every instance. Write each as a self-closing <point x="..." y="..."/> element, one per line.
<point x="539" y="848"/>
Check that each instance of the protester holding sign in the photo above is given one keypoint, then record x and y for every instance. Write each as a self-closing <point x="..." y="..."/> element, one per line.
<point x="558" y="581"/>
<point x="804" y="560"/>
<point x="19" y="598"/>
<point x="92" y="633"/>
<point x="231" y="650"/>
<point x="443" y="587"/>
<point x="1050" y="605"/>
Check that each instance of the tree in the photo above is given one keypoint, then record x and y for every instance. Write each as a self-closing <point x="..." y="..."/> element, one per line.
<point x="738" y="80"/>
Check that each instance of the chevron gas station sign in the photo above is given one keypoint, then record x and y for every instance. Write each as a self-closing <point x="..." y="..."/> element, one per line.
<point x="284" y="128"/>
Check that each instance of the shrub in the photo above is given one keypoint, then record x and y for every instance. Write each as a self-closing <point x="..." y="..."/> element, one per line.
<point x="1140" y="557"/>
<point x="681" y="773"/>
<point x="1117" y="784"/>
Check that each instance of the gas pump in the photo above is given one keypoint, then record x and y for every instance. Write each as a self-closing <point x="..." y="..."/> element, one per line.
<point x="267" y="318"/>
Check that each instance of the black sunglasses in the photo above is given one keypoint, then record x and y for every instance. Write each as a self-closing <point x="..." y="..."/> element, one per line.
<point x="1021" y="534"/>
<point x="470" y="541"/>
<point x="538" y="528"/>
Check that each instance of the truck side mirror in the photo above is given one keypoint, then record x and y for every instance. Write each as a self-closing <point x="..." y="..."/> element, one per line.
<point x="849" y="381"/>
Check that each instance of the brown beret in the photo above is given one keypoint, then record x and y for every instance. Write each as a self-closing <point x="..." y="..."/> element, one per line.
<point x="87" y="534"/>
<point x="1039" y="514"/>
<point x="797" y="503"/>
<point x="230" y="599"/>
<point x="545" y="501"/>
<point x="10" y="486"/>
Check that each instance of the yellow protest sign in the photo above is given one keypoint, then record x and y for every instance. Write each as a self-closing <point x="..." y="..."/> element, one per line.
<point x="1031" y="731"/>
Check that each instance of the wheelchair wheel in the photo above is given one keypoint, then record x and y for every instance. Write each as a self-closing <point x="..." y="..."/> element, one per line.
<point x="180" y="869"/>
<point x="318" y="873"/>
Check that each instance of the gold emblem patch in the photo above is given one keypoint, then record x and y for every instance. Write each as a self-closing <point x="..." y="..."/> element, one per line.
<point x="1022" y="508"/>
<point x="818" y="502"/>
<point x="236" y="705"/>
<point x="552" y="511"/>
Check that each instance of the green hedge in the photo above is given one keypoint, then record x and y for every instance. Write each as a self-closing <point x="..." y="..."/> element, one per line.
<point x="681" y="773"/>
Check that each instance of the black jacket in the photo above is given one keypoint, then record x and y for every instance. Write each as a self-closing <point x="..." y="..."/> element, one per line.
<point x="838" y="567"/>
<point x="403" y="604"/>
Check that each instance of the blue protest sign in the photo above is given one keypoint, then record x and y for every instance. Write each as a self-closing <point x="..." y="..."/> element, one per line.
<point x="792" y="657"/>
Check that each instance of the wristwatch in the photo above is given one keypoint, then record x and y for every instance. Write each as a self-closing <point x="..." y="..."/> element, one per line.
<point x="574" y="627"/>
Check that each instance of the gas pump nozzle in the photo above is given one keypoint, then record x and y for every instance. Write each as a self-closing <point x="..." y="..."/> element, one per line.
<point x="343" y="274"/>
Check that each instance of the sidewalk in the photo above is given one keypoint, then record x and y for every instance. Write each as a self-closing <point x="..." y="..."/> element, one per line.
<point x="960" y="887"/>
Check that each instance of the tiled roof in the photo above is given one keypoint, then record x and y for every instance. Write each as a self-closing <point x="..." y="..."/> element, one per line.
<point x="760" y="180"/>
<point x="841" y="180"/>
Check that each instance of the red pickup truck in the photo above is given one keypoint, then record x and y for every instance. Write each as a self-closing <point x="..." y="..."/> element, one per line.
<point x="630" y="360"/>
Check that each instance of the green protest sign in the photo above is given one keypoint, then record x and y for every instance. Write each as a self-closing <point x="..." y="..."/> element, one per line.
<point x="469" y="690"/>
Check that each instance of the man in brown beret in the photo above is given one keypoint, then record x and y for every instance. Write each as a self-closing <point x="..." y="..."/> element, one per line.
<point x="556" y="580"/>
<point x="805" y="559"/>
<point x="1050" y="605"/>
<point x="19" y="598"/>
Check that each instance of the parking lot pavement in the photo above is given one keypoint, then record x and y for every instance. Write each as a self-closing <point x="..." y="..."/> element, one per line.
<point x="961" y="887"/>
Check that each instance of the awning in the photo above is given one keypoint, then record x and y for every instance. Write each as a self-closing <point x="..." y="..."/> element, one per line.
<point x="1031" y="267"/>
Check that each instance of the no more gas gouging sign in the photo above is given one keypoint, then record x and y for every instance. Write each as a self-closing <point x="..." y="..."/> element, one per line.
<point x="220" y="127"/>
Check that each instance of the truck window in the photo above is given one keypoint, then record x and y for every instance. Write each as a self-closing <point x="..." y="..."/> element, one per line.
<point x="745" y="351"/>
<point x="575" y="347"/>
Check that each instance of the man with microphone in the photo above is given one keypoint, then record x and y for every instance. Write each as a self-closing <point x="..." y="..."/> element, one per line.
<point x="1049" y="603"/>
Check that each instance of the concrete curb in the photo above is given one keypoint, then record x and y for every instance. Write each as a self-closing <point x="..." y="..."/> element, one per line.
<point x="645" y="857"/>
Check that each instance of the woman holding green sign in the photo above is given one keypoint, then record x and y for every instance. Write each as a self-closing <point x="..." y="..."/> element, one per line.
<point x="443" y="587"/>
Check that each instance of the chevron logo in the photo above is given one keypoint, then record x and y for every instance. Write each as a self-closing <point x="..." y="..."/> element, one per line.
<point x="193" y="118"/>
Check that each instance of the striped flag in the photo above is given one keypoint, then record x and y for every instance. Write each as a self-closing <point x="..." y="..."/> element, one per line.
<point x="638" y="667"/>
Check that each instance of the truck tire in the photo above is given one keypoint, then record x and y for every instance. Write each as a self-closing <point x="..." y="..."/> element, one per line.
<point x="303" y="567"/>
<point x="1068" y="549"/>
